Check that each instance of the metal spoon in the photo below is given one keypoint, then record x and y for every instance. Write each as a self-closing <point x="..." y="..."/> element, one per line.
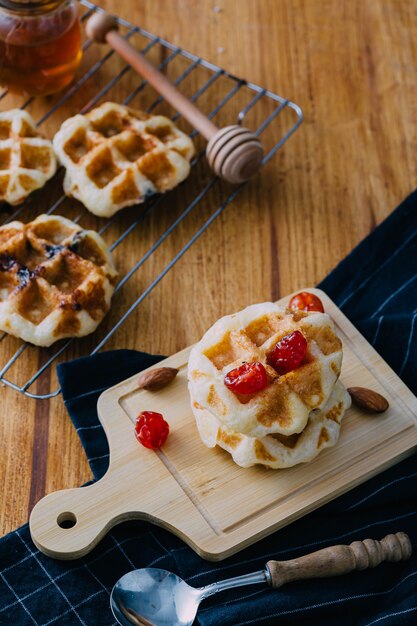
<point x="159" y="598"/>
<point x="155" y="597"/>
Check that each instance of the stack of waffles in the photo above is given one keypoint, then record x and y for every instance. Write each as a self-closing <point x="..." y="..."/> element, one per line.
<point x="297" y="415"/>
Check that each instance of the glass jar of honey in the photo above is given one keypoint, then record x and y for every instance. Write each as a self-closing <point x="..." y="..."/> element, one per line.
<point x="40" y="45"/>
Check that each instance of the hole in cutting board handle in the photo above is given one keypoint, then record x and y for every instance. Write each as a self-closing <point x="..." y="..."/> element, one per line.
<point x="66" y="520"/>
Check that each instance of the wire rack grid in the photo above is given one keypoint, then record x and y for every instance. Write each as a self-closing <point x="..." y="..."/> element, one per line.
<point x="221" y="95"/>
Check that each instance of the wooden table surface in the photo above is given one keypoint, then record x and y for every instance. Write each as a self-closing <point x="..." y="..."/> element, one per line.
<point x="351" y="66"/>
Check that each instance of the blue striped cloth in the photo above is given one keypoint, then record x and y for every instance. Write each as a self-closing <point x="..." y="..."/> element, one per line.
<point x="376" y="286"/>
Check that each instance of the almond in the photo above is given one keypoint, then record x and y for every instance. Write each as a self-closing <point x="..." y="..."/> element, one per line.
<point x="368" y="399"/>
<point x="157" y="378"/>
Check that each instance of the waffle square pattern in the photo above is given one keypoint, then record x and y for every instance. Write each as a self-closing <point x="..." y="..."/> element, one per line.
<point x="117" y="157"/>
<point x="27" y="160"/>
<point x="56" y="280"/>
<point x="296" y="415"/>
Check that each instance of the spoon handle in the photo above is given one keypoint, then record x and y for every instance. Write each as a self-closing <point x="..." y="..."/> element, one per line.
<point x="253" y="578"/>
<point x="341" y="559"/>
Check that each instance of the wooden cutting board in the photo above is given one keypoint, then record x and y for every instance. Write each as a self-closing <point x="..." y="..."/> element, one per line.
<point x="215" y="506"/>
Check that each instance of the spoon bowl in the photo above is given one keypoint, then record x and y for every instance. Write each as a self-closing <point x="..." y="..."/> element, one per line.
<point x="154" y="597"/>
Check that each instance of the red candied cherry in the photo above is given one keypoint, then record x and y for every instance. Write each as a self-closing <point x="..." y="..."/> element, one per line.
<point x="151" y="429"/>
<point x="288" y="353"/>
<point x="246" y="379"/>
<point x="305" y="301"/>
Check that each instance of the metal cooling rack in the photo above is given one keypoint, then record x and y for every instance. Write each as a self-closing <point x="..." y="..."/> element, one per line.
<point x="222" y="96"/>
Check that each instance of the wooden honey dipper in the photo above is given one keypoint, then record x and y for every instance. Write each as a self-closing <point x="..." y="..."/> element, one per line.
<point x="233" y="152"/>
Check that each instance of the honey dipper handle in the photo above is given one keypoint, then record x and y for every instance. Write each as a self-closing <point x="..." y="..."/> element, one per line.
<point x="234" y="153"/>
<point x="102" y="27"/>
<point x="341" y="559"/>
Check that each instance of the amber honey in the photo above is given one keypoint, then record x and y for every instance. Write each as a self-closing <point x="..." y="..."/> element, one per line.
<point x="40" y="46"/>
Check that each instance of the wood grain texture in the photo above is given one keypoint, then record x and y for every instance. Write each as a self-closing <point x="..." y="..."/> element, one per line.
<point x="201" y="495"/>
<point x="351" y="67"/>
<point x="341" y="559"/>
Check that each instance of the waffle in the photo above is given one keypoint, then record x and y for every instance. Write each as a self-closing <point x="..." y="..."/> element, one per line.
<point x="27" y="160"/>
<point x="116" y="157"/>
<point x="284" y="406"/>
<point x="278" y="451"/>
<point x="56" y="280"/>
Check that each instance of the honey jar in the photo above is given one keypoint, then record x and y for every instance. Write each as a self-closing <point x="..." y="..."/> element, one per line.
<point x="40" y="45"/>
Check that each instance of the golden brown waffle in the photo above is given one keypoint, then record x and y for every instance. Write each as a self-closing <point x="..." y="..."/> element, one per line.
<point x="117" y="157"/>
<point x="278" y="451"/>
<point x="27" y="160"/>
<point x="56" y="280"/>
<point x="284" y="406"/>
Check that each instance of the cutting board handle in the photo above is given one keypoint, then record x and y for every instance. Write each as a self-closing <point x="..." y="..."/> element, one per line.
<point x="137" y="486"/>
<point x="62" y="524"/>
<point x="342" y="559"/>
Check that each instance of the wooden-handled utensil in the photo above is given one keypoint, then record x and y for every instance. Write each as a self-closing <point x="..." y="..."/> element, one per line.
<point x="233" y="152"/>
<point x="154" y="597"/>
<point x="341" y="559"/>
